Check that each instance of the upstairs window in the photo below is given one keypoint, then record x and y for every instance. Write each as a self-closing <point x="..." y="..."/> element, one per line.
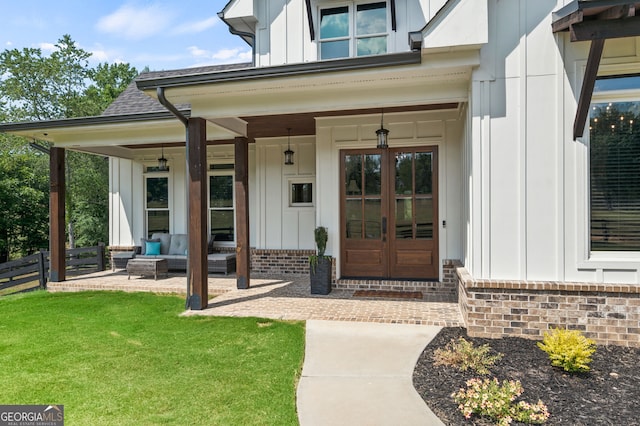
<point x="357" y="29"/>
<point x="614" y="142"/>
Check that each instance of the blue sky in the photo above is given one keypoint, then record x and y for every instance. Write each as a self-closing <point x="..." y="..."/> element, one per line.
<point x="159" y="34"/>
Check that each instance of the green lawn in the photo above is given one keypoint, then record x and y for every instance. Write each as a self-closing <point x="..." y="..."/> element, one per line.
<point x="130" y="359"/>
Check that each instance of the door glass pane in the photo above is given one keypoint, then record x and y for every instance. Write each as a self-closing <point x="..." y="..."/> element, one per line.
<point x="373" y="219"/>
<point x="353" y="213"/>
<point x="372" y="46"/>
<point x="222" y="225"/>
<point x="423" y="173"/>
<point x="372" y="180"/>
<point x="221" y="191"/>
<point x="424" y="218"/>
<point x="158" y="193"/>
<point x="353" y="174"/>
<point x="404" y="218"/>
<point x="334" y="22"/>
<point x="404" y="173"/>
<point x="157" y="221"/>
<point x="371" y="18"/>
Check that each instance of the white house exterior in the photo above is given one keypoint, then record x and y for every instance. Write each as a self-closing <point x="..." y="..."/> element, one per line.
<point x="479" y="97"/>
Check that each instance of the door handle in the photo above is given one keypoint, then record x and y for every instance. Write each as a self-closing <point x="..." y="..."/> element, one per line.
<point x="384" y="229"/>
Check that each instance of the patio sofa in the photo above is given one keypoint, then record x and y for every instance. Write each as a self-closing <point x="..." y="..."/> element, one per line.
<point x="173" y="247"/>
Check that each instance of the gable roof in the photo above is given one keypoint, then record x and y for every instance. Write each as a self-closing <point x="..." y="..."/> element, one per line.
<point x="133" y="101"/>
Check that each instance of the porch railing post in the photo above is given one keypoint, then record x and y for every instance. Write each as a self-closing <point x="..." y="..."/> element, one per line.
<point x="101" y="257"/>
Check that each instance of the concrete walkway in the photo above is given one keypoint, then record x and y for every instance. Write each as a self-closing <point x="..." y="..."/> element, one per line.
<point x="358" y="373"/>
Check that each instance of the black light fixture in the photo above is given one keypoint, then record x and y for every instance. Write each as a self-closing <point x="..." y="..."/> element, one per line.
<point x="382" y="133"/>
<point x="162" y="162"/>
<point x="288" y="154"/>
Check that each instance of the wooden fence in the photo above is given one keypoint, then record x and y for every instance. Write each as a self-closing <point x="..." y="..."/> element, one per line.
<point x="32" y="272"/>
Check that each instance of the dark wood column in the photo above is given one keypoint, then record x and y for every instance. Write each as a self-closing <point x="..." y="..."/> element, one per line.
<point x="197" y="271"/>
<point x="57" y="237"/>
<point x="243" y="250"/>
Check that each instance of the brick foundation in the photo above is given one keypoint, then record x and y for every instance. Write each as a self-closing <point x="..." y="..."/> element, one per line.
<point x="607" y="313"/>
<point x="280" y="262"/>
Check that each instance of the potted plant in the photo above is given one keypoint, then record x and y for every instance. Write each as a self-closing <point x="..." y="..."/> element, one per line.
<point x="320" y="265"/>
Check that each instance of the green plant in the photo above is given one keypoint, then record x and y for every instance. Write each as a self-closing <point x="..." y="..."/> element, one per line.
<point x="321" y="236"/>
<point x="463" y="355"/>
<point x="496" y="400"/>
<point x="568" y="349"/>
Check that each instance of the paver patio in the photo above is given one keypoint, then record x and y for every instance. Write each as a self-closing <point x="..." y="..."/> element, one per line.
<point x="281" y="297"/>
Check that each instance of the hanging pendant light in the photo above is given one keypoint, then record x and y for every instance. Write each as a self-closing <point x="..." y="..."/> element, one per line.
<point x="162" y="162"/>
<point x="382" y="133"/>
<point x="288" y="154"/>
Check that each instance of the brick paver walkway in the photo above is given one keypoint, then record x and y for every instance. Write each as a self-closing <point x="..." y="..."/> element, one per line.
<point x="286" y="298"/>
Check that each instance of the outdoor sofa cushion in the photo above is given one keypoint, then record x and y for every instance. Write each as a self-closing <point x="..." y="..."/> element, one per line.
<point x="178" y="244"/>
<point x="152" y="248"/>
<point x="143" y="244"/>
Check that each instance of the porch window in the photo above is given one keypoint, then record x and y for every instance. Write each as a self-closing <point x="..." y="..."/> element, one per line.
<point x="157" y="204"/>
<point x="356" y="29"/>
<point x="614" y="141"/>
<point x="221" y="206"/>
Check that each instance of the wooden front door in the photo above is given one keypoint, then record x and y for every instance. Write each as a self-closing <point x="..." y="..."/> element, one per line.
<point x="389" y="213"/>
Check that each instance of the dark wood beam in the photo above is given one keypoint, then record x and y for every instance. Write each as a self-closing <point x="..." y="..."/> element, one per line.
<point x="617" y="12"/>
<point x="590" y="74"/>
<point x="312" y="30"/>
<point x="243" y="249"/>
<point x="605" y="29"/>
<point x="57" y="237"/>
<point x="564" y="23"/>
<point x="197" y="270"/>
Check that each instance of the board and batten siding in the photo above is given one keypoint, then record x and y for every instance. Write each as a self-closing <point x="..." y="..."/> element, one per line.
<point x="527" y="181"/>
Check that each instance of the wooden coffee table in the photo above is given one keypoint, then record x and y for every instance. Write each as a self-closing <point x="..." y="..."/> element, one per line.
<point x="145" y="267"/>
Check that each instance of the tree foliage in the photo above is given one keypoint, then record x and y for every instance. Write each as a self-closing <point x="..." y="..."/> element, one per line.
<point x="34" y="86"/>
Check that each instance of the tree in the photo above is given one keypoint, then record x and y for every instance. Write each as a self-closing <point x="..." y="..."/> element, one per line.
<point x="37" y="87"/>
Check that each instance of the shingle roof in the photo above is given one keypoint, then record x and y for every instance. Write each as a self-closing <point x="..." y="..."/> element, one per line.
<point x="134" y="101"/>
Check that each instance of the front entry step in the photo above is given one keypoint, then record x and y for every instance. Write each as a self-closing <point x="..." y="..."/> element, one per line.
<point x="430" y="290"/>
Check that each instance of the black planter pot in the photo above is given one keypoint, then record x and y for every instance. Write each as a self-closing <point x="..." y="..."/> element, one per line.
<point x="320" y="275"/>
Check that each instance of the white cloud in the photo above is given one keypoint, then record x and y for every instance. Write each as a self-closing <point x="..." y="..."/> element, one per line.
<point x="47" y="47"/>
<point x="135" y="23"/>
<point x="222" y="56"/>
<point x="9" y="43"/>
<point x="196" y="27"/>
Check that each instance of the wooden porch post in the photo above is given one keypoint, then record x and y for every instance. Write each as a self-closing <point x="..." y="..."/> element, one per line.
<point x="197" y="270"/>
<point x="57" y="236"/>
<point x="243" y="250"/>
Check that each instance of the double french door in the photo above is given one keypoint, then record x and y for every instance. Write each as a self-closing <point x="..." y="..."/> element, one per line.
<point x="389" y="213"/>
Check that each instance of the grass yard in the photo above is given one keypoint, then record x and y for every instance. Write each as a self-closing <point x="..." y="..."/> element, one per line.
<point x="129" y="358"/>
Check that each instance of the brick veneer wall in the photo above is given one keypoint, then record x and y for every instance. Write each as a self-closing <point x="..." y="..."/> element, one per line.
<point x="280" y="262"/>
<point x="607" y="313"/>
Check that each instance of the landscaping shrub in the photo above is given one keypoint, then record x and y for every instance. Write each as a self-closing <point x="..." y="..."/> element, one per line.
<point x="463" y="355"/>
<point x="568" y="349"/>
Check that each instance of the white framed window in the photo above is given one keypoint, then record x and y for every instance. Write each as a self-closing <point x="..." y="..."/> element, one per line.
<point x="614" y="162"/>
<point x="301" y="193"/>
<point x="157" y="212"/>
<point x="353" y="29"/>
<point x="222" y="218"/>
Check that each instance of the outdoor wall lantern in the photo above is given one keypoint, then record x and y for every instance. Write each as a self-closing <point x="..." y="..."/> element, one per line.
<point x="382" y="133"/>
<point x="162" y="162"/>
<point x="288" y="154"/>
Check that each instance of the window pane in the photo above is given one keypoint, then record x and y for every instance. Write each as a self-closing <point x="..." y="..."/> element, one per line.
<point x="615" y="178"/>
<point x="158" y="193"/>
<point x="334" y="49"/>
<point x="222" y="225"/>
<point x="371" y="18"/>
<point x="373" y="219"/>
<point x="221" y="191"/>
<point x="617" y="83"/>
<point x="423" y="173"/>
<point x="404" y="174"/>
<point x="372" y="179"/>
<point x="353" y="216"/>
<point x="301" y="193"/>
<point x="157" y="221"/>
<point x="372" y="46"/>
<point x="353" y="174"/>
<point x="404" y="218"/>
<point x="424" y="218"/>
<point x="334" y="22"/>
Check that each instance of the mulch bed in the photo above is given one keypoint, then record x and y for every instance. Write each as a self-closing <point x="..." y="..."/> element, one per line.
<point x="609" y="394"/>
<point x="388" y="294"/>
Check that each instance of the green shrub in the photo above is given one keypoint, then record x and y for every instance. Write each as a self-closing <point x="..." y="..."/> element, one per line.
<point x="568" y="349"/>
<point x="463" y="355"/>
<point x="496" y="401"/>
